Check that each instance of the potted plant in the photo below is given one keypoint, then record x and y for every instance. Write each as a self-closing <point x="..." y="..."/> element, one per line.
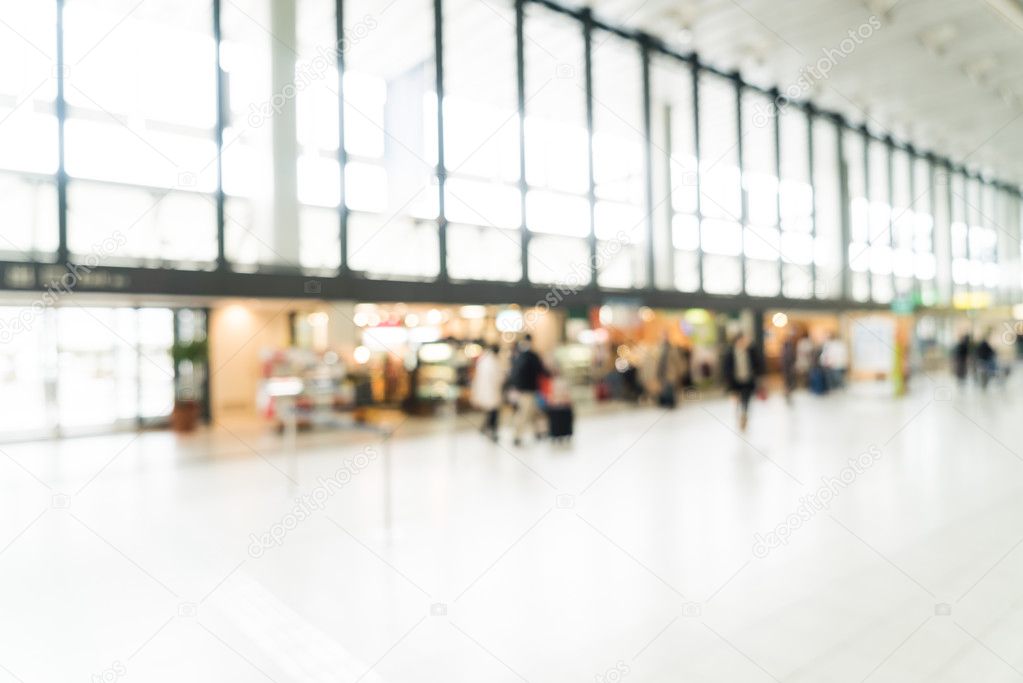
<point x="189" y="367"/>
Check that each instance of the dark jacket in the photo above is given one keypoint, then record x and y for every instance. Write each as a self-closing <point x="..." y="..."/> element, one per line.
<point x="526" y="371"/>
<point x="985" y="352"/>
<point x="756" y="364"/>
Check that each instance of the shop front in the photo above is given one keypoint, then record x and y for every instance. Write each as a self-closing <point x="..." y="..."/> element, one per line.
<point x="338" y="361"/>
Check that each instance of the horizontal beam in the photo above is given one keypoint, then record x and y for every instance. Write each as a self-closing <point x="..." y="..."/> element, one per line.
<point x="50" y="284"/>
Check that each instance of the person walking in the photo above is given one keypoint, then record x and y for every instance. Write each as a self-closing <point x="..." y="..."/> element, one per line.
<point x="485" y="392"/>
<point x="987" y="363"/>
<point x="665" y="370"/>
<point x="527" y="370"/>
<point x="742" y="369"/>
<point x="961" y="358"/>
<point x="835" y="359"/>
<point x="788" y="364"/>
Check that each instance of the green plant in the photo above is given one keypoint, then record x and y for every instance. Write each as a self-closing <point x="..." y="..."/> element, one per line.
<point x="193" y="352"/>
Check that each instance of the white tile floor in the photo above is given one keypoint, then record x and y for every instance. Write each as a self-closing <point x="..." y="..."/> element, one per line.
<point x="628" y="555"/>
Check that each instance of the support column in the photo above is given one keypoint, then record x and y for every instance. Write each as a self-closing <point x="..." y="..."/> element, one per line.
<point x="592" y="194"/>
<point x="284" y="126"/>
<point x="61" y="110"/>
<point x="520" y="80"/>
<point x="648" y="165"/>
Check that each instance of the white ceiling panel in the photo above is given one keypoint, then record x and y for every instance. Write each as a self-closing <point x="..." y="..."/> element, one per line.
<point x="945" y="75"/>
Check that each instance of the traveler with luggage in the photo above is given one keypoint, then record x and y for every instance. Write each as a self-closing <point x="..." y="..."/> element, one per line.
<point x="961" y="358"/>
<point x="558" y="402"/>
<point x="987" y="361"/>
<point x="526" y="372"/>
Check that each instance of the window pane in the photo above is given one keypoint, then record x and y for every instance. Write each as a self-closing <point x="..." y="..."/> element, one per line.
<point x="28" y="125"/>
<point x="959" y="232"/>
<point x="685" y="231"/>
<point x="721" y="236"/>
<point x="859" y="214"/>
<point x="674" y="161"/>
<point x="151" y="126"/>
<point x="557" y="213"/>
<point x="481" y="142"/>
<point x="479" y="253"/>
<point x="720" y="191"/>
<point x="117" y="224"/>
<point x="559" y="260"/>
<point x="393" y="247"/>
<point x="795" y="192"/>
<point x="259" y="58"/>
<point x="556" y="137"/>
<point x="24" y="333"/>
<point x="880" y="216"/>
<point x="480" y="202"/>
<point x="722" y="274"/>
<point x="687" y="271"/>
<point x="99" y="360"/>
<point x="153" y="123"/>
<point x="391" y="137"/>
<point x="28" y="217"/>
<point x="619" y="161"/>
<point x="320" y="238"/>
<point x="903" y="264"/>
<point x="481" y="122"/>
<point x="828" y="246"/>
<point x="317" y="130"/>
<point x="797" y="282"/>
<point x="760" y="181"/>
<point x="762" y="278"/>
<point x="156" y="368"/>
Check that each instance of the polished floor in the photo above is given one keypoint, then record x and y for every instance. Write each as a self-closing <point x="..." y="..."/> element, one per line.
<point x="658" y="546"/>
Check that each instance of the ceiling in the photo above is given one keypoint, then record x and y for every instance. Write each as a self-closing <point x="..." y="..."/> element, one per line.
<point x="944" y="75"/>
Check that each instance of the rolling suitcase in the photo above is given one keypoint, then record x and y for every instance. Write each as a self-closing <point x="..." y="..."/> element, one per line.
<point x="560" y="422"/>
<point x="818" y="381"/>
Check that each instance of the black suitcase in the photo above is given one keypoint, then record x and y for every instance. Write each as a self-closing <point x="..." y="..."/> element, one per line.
<point x="560" y="420"/>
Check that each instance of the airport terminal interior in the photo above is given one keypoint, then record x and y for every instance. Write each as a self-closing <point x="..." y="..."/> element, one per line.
<point x="511" y="340"/>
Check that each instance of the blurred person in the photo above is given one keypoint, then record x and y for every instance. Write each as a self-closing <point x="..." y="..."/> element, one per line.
<point x="835" y="360"/>
<point x="987" y="361"/>
<point x="742" y="369"/>
<point x="526" y="372"/>
<point x="817" y="377"/>
<point x="788" y="364"/>
<point x="664" y="371"/>
<point x="804" y="357"/>
<point x="686" y="354"/>
<point x="961" y="358"/>
<point x="487" y="388"/>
